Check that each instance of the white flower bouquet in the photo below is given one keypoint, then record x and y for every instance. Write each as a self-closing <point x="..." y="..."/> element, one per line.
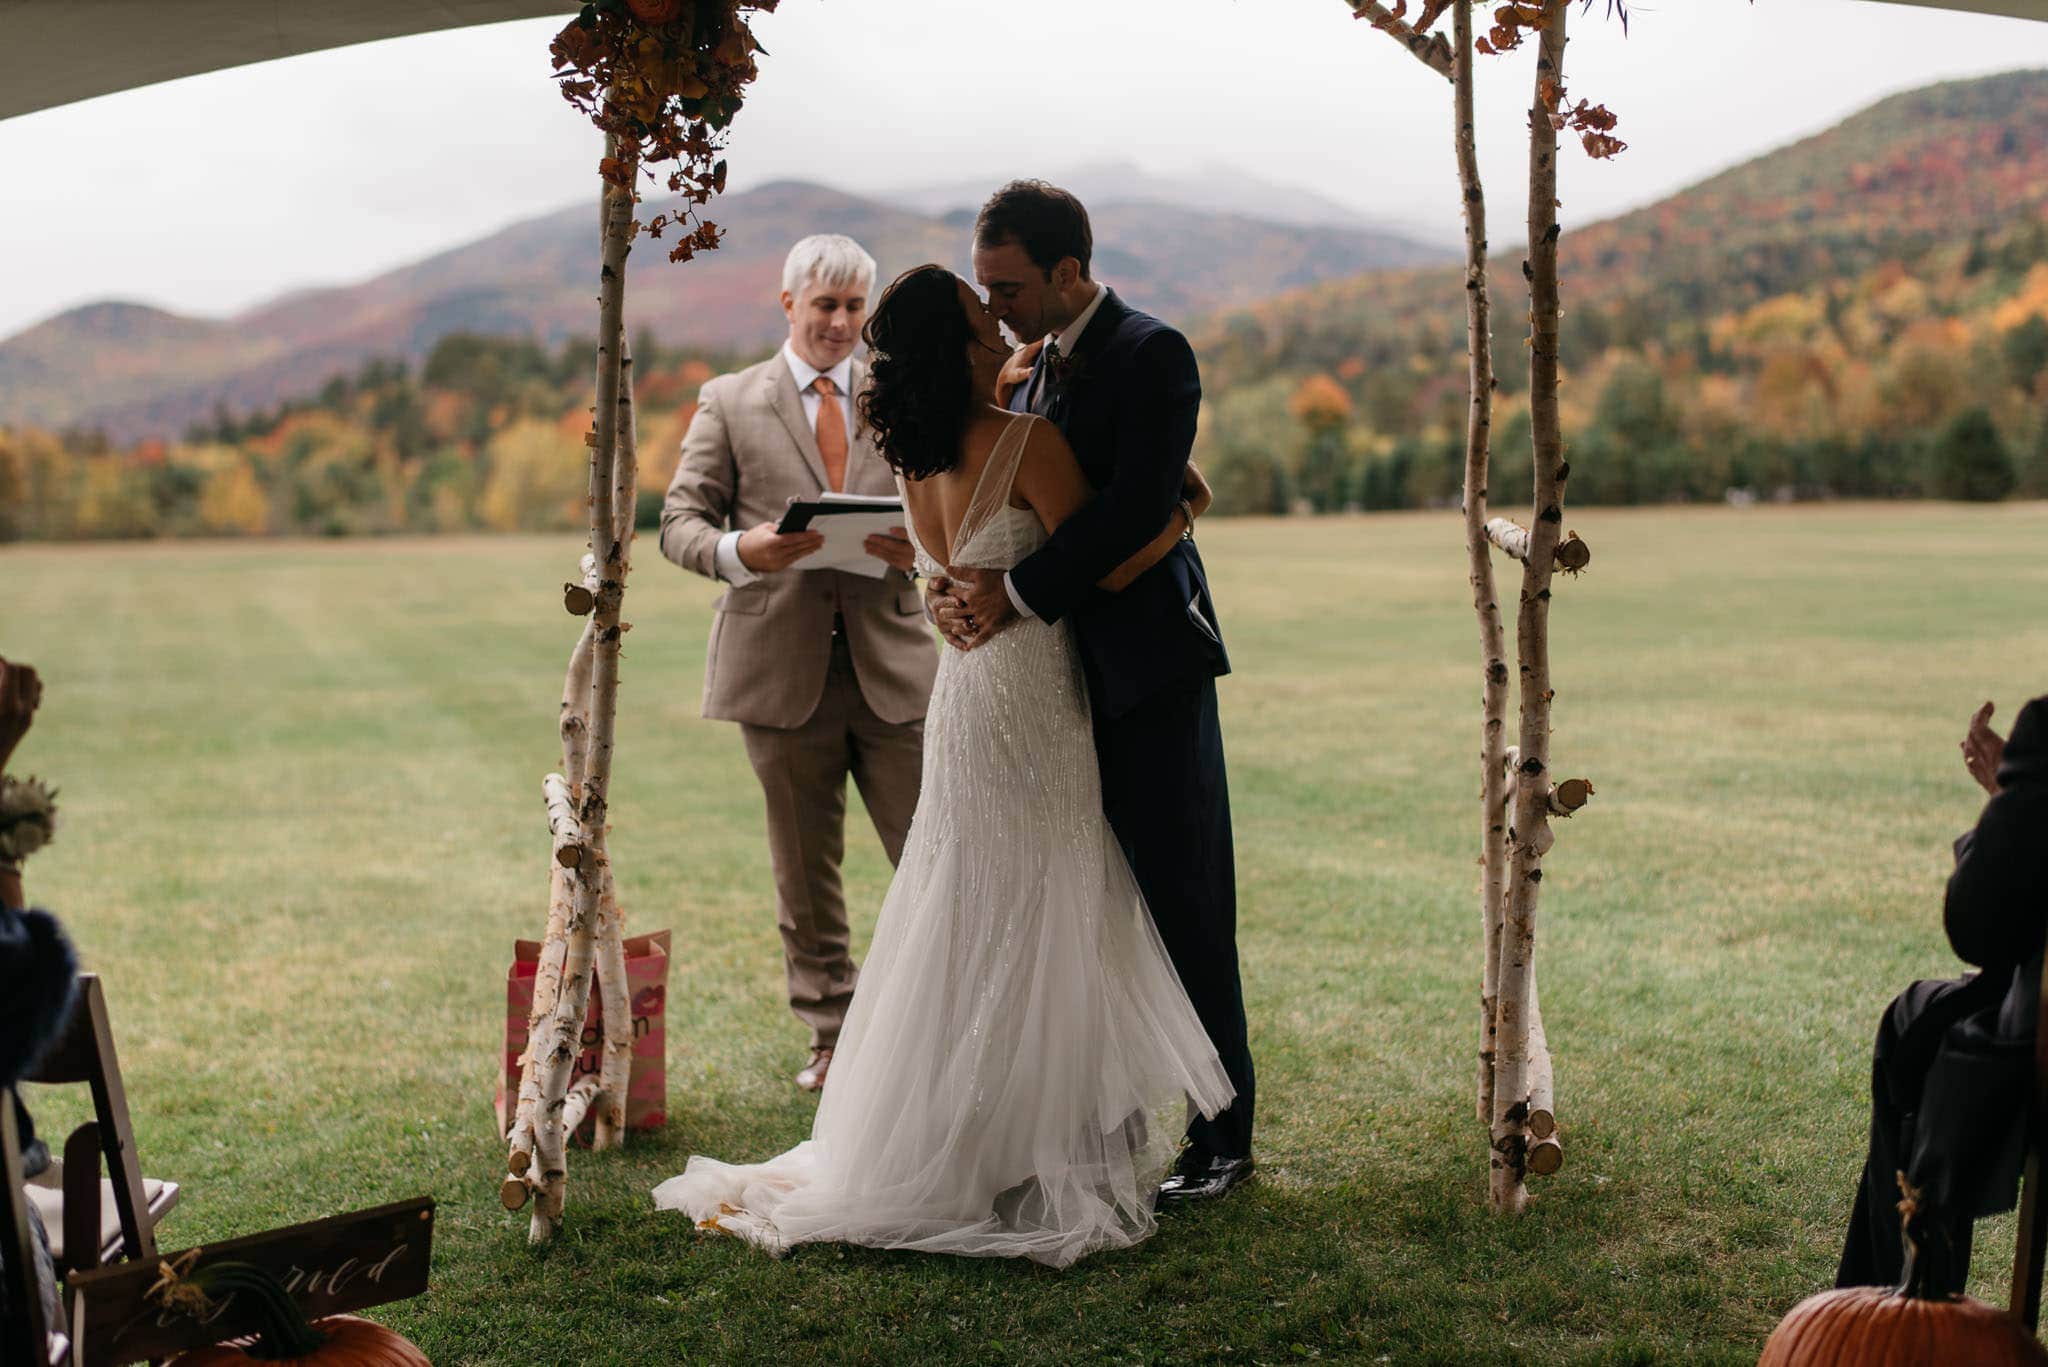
<point x="28" y="817"/>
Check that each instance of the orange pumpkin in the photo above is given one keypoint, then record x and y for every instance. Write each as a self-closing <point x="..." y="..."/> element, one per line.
<point x="337" y="1341"/>
<point x="1903" y="1326"/>
<point x="1877" y="1326"/>
<point x="348" y="1342"/>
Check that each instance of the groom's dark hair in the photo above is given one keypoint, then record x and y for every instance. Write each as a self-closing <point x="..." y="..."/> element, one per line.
<point x="1046" y="221"/>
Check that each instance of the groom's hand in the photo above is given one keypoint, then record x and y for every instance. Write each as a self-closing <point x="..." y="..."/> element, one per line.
<point x="946" y="612"/>
<point x="987" y="603"/>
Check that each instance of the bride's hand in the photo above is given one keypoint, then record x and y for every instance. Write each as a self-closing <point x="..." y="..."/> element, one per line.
<point x="1016" y="371"/>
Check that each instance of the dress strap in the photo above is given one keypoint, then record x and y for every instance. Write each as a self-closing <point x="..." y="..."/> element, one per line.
<point x="998" y="476"/>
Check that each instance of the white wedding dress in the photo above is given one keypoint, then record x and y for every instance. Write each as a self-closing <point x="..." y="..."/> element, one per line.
<point x="1013" y="1075"/>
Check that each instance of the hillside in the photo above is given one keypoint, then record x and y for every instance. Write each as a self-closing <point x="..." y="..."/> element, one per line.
<point x="1866" y="284"/>
<point x="137" y="372"/>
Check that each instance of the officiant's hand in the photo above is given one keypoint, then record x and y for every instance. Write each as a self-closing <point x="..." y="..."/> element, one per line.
<point x="987" y="604"/>
<point x="764" y="550"/>
<point x="893" y="549"/>
<point x="1016" y="371"/>
<point x="1983" y="748"/>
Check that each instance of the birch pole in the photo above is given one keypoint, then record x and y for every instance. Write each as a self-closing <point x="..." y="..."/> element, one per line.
<point x="616" y="1059"/>
<point x="1479" y="561"/>
<point x="1529" y="833"/>
<point x="557" y="1042"/>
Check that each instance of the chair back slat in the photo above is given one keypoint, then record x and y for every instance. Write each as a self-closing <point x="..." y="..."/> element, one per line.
<point x="24" y="1335"/>
<point x="2032" y="1238"/>
<point x="84" y="1053"/>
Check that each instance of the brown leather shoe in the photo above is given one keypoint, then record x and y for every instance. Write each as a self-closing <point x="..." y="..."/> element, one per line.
<point x="812" y="1078"/>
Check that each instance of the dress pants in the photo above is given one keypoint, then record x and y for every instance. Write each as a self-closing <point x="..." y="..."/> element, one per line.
<point x="803" y="772"/>
<point x="1907" y="1040"/>
<point x="1167" y="797"/>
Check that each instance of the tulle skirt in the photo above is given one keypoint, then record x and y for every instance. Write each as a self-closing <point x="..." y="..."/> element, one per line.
<point x="1017" y="1065"/>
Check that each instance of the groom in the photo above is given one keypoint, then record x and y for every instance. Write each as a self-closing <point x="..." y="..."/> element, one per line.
<point x="1123" y="388"/>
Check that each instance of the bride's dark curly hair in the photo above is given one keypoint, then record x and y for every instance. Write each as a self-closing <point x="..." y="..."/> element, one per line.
<point x="920" y="385"/>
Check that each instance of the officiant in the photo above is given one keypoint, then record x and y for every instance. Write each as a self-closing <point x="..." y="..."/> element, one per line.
<point x="827" y="671"/>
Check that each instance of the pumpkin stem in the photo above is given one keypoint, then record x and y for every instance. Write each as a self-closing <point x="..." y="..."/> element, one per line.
<point x="1929" y="1253"/>
<point x="284" y="1332"/>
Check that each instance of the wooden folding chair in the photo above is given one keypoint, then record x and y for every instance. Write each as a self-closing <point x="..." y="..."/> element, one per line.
<point x="24" y="1336"/>
<point x="92" y="1220"/>
<point x="2033" y="1232"/>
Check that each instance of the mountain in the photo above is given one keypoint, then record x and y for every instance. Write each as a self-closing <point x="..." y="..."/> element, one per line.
<point x="137" y="372"/>
<point x="1861" y="313"/>
<point x="1912" y="173"/>
<point x="1209" y="189"/>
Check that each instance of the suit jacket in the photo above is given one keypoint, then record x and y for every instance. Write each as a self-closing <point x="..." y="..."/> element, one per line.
<point x="1969" y="1143"/>
<point x="747" y="453"/>
<point x="1127" y="406"/>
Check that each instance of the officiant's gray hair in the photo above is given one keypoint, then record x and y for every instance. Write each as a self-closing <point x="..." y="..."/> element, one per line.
<point x="833" y="260"/>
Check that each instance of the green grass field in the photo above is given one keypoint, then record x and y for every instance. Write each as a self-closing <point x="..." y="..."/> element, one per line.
<point x="302" y="827"/>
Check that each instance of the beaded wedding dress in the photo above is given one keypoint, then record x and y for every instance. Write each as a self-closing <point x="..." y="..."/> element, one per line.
<point x="1012" y="1077"/>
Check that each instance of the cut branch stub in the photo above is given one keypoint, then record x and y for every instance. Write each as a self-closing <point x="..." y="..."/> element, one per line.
<point x="562" y="822"/>
<point x="1570" y="795"/>
<point x="578" y="600"/>
<point x="1433" y="50"/>
<point x="1571" y="554"/>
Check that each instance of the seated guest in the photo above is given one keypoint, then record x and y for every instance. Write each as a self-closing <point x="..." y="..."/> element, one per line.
<point x="1954" y="1063"/>
<point x="37" y="975"/>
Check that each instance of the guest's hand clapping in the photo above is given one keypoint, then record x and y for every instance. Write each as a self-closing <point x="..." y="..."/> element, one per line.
<point x="21" y="692"/>
<point x="1982" y="749"/>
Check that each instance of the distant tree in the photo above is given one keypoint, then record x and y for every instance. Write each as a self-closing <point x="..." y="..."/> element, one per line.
<point x="2026" y="350"/>
<point x="1969" y="461"/>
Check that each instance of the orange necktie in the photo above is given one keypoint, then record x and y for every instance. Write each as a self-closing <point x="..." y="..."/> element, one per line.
<point x="831" y="432"/>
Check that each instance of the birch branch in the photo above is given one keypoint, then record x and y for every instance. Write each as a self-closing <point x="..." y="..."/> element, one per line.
<point x="578" y="1102"/>
<point x="1429" y="48"/>
<point x="615" y="1068"/>
<point x="1571" y="554"/>
<point x="562" y="823"/>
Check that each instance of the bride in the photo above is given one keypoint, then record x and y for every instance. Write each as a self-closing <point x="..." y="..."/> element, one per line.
<point x="1019" y="1053"/>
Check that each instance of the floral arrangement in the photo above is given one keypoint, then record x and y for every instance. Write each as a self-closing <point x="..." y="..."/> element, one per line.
<point x="28" y="817"/>
<point x="663" y="80"/>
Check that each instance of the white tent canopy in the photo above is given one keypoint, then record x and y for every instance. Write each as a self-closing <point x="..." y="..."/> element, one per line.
<point x="53" y="52"/>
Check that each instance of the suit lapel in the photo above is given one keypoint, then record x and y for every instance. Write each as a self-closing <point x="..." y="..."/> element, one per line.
<point x="789" y="406"/>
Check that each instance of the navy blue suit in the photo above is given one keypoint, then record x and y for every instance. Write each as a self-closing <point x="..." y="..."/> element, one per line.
<point x="1126" y="401"/>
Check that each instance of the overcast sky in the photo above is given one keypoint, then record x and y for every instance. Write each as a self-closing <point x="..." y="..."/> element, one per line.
<point x="210" y="194"/>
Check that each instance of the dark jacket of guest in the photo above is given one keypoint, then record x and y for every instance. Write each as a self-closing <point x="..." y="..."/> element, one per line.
<point x="1970" y="1141"/>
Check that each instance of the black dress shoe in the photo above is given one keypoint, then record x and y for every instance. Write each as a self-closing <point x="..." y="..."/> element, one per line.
<point x="1200" y="1176"/>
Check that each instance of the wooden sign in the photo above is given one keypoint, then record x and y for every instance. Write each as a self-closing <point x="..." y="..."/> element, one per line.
<point x="332" y="1266"/>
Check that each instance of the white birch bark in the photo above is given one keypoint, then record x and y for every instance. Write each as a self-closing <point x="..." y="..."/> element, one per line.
<point x="560" y="801"/>
<point x="1528" y="837"/>
<point x="1485" y="598"/>
<point x="1571" y="554"/>
<point x="555" y="1049"/>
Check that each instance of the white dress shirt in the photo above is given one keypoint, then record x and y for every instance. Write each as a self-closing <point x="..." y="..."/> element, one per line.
<point x="727" y="557"/>
<point x="1067" y="338"/>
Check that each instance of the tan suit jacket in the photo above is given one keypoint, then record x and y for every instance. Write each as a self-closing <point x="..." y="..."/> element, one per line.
<point x="747" y="453"/>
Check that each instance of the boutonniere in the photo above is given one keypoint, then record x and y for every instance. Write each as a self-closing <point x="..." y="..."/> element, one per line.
<point x="28" y="817"/>
<point x="1064" y="367"/>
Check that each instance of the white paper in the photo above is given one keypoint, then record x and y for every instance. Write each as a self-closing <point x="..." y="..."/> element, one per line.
<point x="846" y="534"/>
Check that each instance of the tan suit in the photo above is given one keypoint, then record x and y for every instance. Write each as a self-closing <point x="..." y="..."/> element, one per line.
<point x="815" y="705"/>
